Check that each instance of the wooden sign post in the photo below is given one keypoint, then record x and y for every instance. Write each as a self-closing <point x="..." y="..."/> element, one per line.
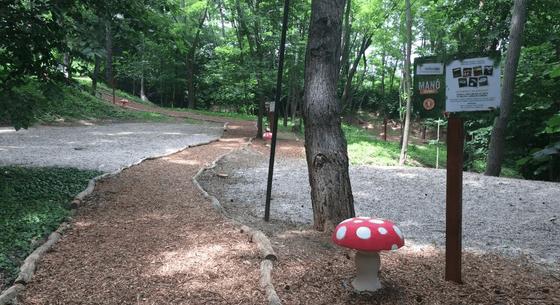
<point x="462" y="84"/>
<point x="454" y="200"/>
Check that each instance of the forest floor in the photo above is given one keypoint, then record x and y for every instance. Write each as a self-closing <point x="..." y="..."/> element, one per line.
<point x="311" y="270"/>
<point x="148" y="236"/>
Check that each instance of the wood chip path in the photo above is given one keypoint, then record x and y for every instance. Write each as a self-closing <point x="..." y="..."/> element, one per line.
<point x="148" y="236"/>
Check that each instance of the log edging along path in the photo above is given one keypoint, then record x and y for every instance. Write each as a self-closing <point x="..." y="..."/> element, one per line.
<point x="27" y="269"/>
<point x="259" y="238"/>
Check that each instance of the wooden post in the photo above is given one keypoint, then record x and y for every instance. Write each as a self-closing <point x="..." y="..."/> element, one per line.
<point x="276" y="107"/>
<point x="454" y="200"/>
<point x="385" y="129"/>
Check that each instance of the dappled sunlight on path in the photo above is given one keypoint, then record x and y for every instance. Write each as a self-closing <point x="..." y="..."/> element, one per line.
<point x="147" y="236"/>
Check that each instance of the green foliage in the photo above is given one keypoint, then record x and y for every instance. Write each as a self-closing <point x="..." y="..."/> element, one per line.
<point x="69" y="103"/>
<point x="533" y="131"/>
<point x="33" y="203"/>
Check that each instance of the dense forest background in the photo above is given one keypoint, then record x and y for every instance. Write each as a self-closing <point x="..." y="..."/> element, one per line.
<point x="222" y="55"/>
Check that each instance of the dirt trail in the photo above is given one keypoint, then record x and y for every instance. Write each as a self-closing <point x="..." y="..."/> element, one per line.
<point x="147" y="236"/>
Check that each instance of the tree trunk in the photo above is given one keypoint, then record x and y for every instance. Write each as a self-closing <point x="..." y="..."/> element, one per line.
<point x="498" y="139"/>
<point x="142" y="89"/>
<point x="109" y="76"/>
<point x="347" y="29"/>
<point x="95" y="75"/>
<point x="325" y="145"/>
<point x="109" y="51"/>
<point x="191" y="94"/>
<point x="392" y="78"/>
<point x="366" y="41"/>
<point x="407" y="85"/>
<point x="68" y="66"/>
<point x="383" y="60"/>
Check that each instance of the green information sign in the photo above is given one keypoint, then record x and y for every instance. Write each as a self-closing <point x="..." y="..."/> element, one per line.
<point x="429" y="86"/>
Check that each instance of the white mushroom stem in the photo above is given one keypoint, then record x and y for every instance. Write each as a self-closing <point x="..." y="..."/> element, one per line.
<point x="367" y="269"/>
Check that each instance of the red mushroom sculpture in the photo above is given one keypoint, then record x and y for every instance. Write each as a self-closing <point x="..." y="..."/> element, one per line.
<point x="368" y="236"/>
<point x="267" y="136"/>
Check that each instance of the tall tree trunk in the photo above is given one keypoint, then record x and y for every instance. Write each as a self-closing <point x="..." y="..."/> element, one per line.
<point x="497" y="142"/>
<point x="346" y="30"/>
<point x="392" y="78"/>
<point x="366" y="41"/>
<point x="68" y="66"/>
<point x="109" y="76"/>
<point x="109" y="51"/>
<point x="142" y="67"/>
<point x="254" y="50"/>
<point x="325" y="145"/>
<point x="383" y="61"/>
<point x="408" y="84"/>
<point x="95" y="74"/>
<point x="222" y="18"/>
<point x="191" y="94"/>
<point x="142" y="89"/>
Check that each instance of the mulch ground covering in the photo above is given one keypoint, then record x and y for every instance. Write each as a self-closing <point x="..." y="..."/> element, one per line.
<point x="148" y="236"/>
<point x="311" y="270"/>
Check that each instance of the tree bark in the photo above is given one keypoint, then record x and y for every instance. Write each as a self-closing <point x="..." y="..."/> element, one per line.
<point x="95" y="75"/>
<point x="109" y="51"/>
<point x="407" y="85"/>
<point x="325" y="145"/>
<point x="347" y="29"/>
<point x="498" y="139"/>
<point x="109" y="76"/>
<point x="383" y="60"/>
<point x="366" y="41"/>
<point x="68" y="66"/>
<point x="392" y="78"/>
<point x="191" y="94"/>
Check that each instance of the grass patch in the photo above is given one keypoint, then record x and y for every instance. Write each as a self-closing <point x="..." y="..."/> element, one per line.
<point x="33" y="203"/>
<point x="364" y="148"/>
<point x="86" y="84"/>
<point x="233" y="115"/>
<point x="71" y="103"/>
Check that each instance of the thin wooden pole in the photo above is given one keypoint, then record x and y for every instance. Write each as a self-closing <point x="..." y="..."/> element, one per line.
<point x="454" y="198"/>
<point x="276" y="107"/>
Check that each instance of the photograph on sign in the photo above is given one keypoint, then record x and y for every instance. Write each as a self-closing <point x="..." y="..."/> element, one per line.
<point x="472" y="84"/>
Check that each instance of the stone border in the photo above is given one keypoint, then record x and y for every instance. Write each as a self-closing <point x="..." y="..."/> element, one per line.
<point x="27" y="269"/>
<point x="259" y="238"/>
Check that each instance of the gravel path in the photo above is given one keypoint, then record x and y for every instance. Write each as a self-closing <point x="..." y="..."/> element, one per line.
<point x="508" y="216"/>
<point x="100" y="147"/>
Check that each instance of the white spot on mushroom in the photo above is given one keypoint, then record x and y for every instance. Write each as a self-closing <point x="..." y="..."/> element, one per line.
<point x="363" y="233"/>
<point x="382" y="230"/>
<point x="362" y="217"/>
<point x="358" y="221"/>
<point x="394" y="247"/>
<point x="398" y="231"/>
<point x="341" y="232"/>
<point x="377" y="221"/>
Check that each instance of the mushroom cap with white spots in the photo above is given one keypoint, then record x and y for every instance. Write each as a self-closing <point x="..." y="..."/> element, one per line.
<point x="368" y="234"/>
